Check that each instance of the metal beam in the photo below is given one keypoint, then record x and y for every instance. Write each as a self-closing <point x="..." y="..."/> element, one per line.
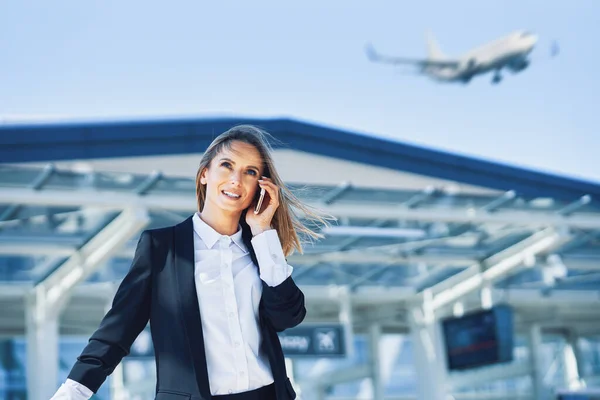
<point x="151" y="181"/>
<point x="495" y="267"/>
<point x="344" y="257"/>
<point x="574" y="206"/>
<point x="37" y="184"/>
<point x="117" y="201"/>
<point x="369" y="231"/>
<point x="336" y="193"/>
<point x="492" y="373"/>
<point x="366" y="256"/>
<point x="558" y="298"/>
<point x="350" y="241"/>
<point x="360" y="296"/>
<point x="516" y="217"/>
<point x="84" y="261"/>
<point x="463" y="228"/>
<point x="366" y="276"/>
<point x="506" y="197"/>
<point x="108" y="200"/>
<point x="377" y="258"/>
<point x="418" y="198"/>
<point x="581" y="239"/>
<point x="338" y="376"/>
<point x="363" y="296"/>
<point x="31" y="248"/>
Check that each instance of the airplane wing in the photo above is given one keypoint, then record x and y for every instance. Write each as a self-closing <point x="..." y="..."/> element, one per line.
<point x="376" y="57"/>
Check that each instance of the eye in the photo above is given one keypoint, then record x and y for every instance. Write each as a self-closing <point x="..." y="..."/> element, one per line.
<point x="226" y="164"/>
<point x="252" y="172"/>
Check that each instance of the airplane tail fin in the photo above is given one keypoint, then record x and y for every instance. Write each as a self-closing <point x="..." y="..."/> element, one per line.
<point x="433" y="48"/>
<point x="372" y="54"/>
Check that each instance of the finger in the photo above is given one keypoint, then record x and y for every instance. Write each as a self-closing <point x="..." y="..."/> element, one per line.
<point x="272" y="189"/>
<point x="272" y="192"/>
<point x="266" y="183"/>
<point x="269" y="180"/>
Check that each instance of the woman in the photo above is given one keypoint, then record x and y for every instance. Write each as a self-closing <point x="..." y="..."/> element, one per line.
<point x="216" y="288"/>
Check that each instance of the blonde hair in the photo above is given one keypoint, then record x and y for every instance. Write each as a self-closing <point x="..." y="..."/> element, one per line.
<point x="286" y="221"/>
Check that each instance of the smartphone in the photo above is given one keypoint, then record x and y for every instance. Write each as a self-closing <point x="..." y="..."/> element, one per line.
<point x="260" y="200"/>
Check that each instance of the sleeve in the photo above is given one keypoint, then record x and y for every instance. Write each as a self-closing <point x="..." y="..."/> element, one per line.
<point x="125" y="320"/>
<point x="274" y="268"/>
<point x="282" y="304"/>
<point x="71" y="390"/>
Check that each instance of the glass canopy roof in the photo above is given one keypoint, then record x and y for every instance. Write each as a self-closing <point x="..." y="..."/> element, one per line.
<point x="383" y="237"/>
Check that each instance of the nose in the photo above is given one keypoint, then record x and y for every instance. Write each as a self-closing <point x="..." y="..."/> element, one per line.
<point x="235" y="177"/>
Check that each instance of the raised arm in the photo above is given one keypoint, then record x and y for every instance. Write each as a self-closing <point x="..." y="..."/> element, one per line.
<point x="282" y="301"/>
<point x="122" y="324"/>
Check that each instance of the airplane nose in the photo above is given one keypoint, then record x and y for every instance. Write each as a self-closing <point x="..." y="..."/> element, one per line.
<point x="533" y="40"/>
<point x="530" y="42"/>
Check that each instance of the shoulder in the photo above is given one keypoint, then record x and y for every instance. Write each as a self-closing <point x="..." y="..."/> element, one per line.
<point x="159" y="232"/>
<point x="165" y="233"/>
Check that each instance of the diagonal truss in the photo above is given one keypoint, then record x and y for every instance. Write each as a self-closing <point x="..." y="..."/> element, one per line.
<point x="496" y="267"/>
<point x="84" y="261"/>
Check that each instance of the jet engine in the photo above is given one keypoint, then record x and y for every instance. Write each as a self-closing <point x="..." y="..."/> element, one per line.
<point x="519" y="65"/>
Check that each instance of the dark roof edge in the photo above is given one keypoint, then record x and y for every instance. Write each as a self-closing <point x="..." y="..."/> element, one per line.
<point x="72" y="140"/>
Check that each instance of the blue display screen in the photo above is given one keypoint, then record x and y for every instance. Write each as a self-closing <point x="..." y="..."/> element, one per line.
<point x="479" y="338"/>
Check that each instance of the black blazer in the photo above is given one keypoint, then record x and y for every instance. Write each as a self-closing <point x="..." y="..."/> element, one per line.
<point x="160" y="287"/>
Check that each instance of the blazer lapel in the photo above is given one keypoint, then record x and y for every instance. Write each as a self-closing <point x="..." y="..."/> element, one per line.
<point x="184" y="269"/>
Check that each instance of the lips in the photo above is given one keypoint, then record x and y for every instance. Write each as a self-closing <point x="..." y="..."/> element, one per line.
<point x="231" y="195"/>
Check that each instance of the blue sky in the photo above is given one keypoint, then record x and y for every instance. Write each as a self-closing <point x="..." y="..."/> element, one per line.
<point x="92" y="59"/>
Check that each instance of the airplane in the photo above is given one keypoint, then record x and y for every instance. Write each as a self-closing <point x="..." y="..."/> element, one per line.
<point x="510" y="52"/>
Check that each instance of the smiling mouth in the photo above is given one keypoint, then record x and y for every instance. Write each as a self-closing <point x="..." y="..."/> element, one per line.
<point x="230" y="194"/>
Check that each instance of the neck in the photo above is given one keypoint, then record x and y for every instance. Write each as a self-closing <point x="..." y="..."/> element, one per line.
<point x="225" y="223"/>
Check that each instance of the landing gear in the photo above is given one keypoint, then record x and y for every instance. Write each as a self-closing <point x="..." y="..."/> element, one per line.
<point x="497" y="77"/>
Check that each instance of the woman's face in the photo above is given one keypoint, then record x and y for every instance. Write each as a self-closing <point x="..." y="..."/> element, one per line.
<point x="232" y="177"/>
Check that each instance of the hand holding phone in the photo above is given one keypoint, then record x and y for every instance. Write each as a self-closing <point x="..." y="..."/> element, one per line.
<point x="260" y="200"/>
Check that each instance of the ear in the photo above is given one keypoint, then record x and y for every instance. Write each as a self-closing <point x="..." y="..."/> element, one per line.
<point x="203" y="176"/>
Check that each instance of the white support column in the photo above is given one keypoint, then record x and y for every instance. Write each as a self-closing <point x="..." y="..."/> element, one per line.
<point x="429" y="355"/>
<point x="571" y="362"/>
<point x="48" y="298"/>
<point x="574" y="340"/>
<point x="487" y="299"/>
<point x="374" y="361"/>
<point x="458" y="309"/>
<point x="537" y="366"/>
<point x="321" y="393"/>
<point x="346" y="319"/>
<point x="42" y="347"/>
<point x="291" y="372"/>
<point x="117" y="385"/>
<point x="116" y="379"/>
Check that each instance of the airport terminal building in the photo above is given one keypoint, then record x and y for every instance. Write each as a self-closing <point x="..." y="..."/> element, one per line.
<point x="444" y="277"/>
